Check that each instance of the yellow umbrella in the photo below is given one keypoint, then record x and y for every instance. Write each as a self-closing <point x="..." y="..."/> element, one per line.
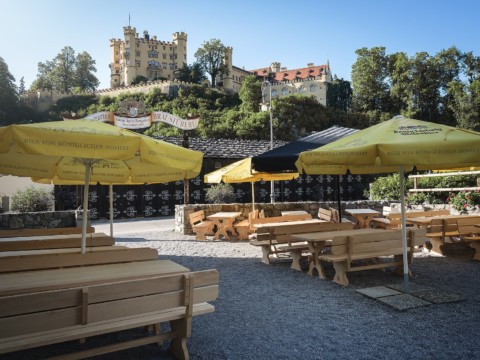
<point x="396" y="145"/>
<point x="89" y="150"/>
<point x="241" y="171"/>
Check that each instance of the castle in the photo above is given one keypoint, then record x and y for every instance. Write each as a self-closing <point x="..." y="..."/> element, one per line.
<point x="157" y="61"/>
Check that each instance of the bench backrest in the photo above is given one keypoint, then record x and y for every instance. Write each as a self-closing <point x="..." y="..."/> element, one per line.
<point x="54" y="242"/>
<point x="63" y="260"/>
<point x="325" y="214"/>
<point x="439" y="212"/>
<point x="196" y="217"/>
<point x="412" y="214"/>
<point x="467" y="225"/>
<point x="275" y="219"/>
<point x="49" y="231"/>
<point x="48" y="310"/>
<point x="284" y="234"/>
<point x="367" y="243"/>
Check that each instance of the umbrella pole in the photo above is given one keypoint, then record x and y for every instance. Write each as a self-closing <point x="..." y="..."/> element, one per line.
<point x="404" y="230"/>
<point x="110" y="191"/>
<point x="253" y="197"/>
<point x="88" y="168"/>
<point x="339" y="203"/>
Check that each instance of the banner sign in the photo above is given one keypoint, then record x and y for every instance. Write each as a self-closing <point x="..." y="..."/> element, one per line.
<point x="144" y="121"/>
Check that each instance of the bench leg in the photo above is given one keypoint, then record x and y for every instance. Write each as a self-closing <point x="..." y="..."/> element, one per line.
<point x="476" y="245"/>
<point x="178" y="345"/>
<point x="340" y="276"/>
<point x="266" y="254"/>
<point x="437" y="245"/>
<point x="296" y="257"/>
<point x="200" y="235"/>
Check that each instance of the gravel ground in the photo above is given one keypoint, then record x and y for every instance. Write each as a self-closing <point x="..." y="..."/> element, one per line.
<point x="273" y="312"/>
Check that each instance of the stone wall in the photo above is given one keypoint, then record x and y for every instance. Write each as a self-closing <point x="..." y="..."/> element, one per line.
<point x="38" y="220"/>
<point x="182" y="212"/>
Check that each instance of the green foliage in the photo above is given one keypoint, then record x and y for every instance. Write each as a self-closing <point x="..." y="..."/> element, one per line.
<point x="31" y="199"/>
<point x="139" y="80"/>
<point x="194" y="73"/>
<point x="67" y="72"/>
<point x="211" y="57"/>
<point x="339" y="95"/>
<point x="386" y="188"/>
<point x="465" y="200"/>
<point x="250" y="94"/>
<point x="8" y="94"/>
<point x="220" y="194"/>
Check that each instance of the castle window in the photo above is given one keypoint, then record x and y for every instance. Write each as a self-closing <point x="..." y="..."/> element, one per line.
<point x="154" y="64"/>
<point x="284" y="91"/>
<point x="301" y="90"/>
<point x="171" y="66"/>
<point x="137" y="53"/>
<point x="164" y="65"/>
<point x="153" y="54"/>
<point x="313" y="87"/>
<point x="164" y="48"/>
<point x="274" y="92"/>
<point x="164" y="56"/>
<point x="137" y="63"/>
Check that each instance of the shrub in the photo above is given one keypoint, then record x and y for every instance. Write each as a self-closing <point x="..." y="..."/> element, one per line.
<point x="388" y="187"/>
<point x="220" y="194"/>
<point x="464" y="200"/>
<point x="31" y="199"/>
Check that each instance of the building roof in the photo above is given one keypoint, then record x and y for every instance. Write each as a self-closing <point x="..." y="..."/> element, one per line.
<point x="295" y="74"/>
<point x="283" y="158"/>
<point x="225" y="148"/>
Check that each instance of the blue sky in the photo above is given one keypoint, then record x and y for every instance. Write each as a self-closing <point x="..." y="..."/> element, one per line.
<point x="293" y="33"/>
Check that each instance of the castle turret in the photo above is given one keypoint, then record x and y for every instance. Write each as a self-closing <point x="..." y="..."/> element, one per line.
<point x="180" y="40"/>
<point x="130" y="72"/>
<point x="227" y="60"/>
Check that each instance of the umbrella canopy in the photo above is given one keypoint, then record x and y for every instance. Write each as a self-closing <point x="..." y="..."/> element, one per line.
<point x="241" y="171"/>
<point x="92" y="151"/>
<point x="283" y="158"/>
<point x="396" y="145"/>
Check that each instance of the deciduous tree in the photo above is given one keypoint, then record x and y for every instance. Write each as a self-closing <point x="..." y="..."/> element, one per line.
<point x="212" y="56"/>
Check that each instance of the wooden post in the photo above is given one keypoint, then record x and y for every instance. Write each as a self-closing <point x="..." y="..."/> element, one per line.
<point x="186" y="183"/>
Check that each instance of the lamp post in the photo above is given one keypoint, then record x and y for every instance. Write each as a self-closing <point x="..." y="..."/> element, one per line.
<point x="267" y="84"/>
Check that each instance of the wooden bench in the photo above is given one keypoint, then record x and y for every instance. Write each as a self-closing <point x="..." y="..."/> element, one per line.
<point x="325" y="214"/>
<point x="244" y="227"/>
<point x="54" y="241"/>
<point x="43" y="231"/>
<point x="200" y="225"/>
<point x="346" y="251"/>
<point x="440" y="231"/>
<point x="391" y="221"/>
<point x="277" y="240"/>
<point x="277" y="219"/>
<point x="336" y="217"/>
<point x="40" y="261"/>
<point x="48" y="317"/>
<point x="470" y="233"/>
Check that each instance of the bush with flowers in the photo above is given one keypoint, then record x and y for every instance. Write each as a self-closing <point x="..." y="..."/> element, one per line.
<point x="465" y="200"/>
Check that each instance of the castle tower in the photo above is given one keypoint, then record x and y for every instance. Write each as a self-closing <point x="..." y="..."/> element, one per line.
<point x="227" y="60"/>
<point x="130" y="72"/>
<point x="179" y="39"/>
<point x="115" y="78"/>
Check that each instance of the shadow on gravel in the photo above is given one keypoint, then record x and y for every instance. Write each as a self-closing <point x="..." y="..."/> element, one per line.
<point x="273" y="312"/>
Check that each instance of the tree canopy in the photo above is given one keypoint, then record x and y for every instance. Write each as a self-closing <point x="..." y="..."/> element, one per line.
<point x="212" y="55"/>
<point x="67" y="73"/>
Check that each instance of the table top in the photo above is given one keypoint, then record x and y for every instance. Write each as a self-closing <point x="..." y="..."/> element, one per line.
<point x="362" y="212"/>
<point x="39" y="280"/>
<point x="294" y="212"/>
<point x="329" y="235"/>
<point x="224" y="215"/>
<point x="428" y="219"/>
<point x="287" y="223"/>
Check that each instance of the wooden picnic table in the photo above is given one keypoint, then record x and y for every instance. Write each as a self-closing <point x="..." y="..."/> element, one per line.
<point x="424" y="221"/>
<point x="41" y="280"/>
<point x="362" y="216"/>
<point x="317" y="240"/>
<point x="224" y="222"/>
